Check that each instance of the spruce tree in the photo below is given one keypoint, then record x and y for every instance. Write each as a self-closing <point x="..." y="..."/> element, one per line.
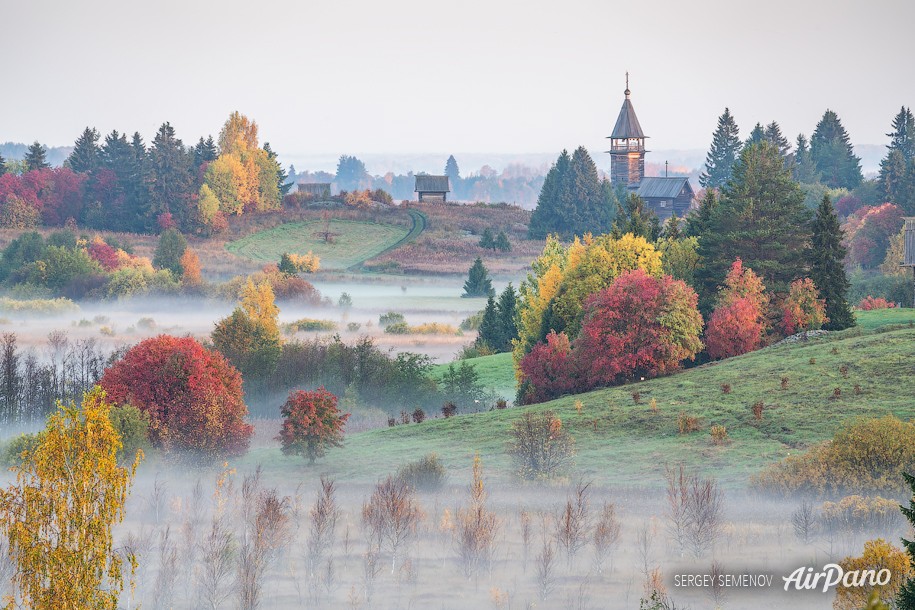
<point x="671" y="228"/>
<point x="905" y="599"/>
<point x="897" y="170"/>
<point x="478" y="283"/>
<point x="490" y="335"/>
<point x="827" y="269"/>
<point x="548" y="215"/>
<point x="502" y="244"/>
<point x="169" y="251"/>
<point x="773" y="136"/>
<point x="634" y="217"/>
<point x="205" y="151"/>
<point x="903" y="135"/>
<point x="282" y="178"/>
<point x="452" y="171"/>
<point x="833" y="154"/>
<point x="487" y="240"/>
<point x="697" y="221"/>
<point x="756" y="136"/>
<point x="762" y="220"/>
<point x="85" y="155"/>
<point x="804" y="170"/>
<point x="35" y="157"/>
<point x="723" y="152"/>
<point x="507" y="308"/>
<point x="171" y="180"/>
<point x="3" y="169"/>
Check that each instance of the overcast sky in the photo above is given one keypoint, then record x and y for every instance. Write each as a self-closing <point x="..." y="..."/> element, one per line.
<point x="460" y="76"/>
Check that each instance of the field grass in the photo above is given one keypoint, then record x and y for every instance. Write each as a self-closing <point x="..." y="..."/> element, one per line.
<point x="620" y="442"/>
<point x="354" y="242"/>
<point x="496" y="373"/>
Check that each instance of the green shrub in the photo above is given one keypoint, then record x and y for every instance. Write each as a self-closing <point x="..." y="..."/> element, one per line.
<point x="392" y="317"/>
<point x="11" y="451"/>
<point x="133" y="427"/>
<point x="397" y="328"/>
<point x="309" y="325"/>
<point x="473" y="322"/>
<point x="427" y="473"/>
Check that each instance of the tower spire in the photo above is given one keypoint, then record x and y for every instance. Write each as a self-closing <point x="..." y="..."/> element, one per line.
<point x="627" y="85"/>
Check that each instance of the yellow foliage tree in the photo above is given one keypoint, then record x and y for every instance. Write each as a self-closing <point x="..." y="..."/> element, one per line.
<point x="227" y="179"/>
<point x="894" y="256"/>
<point x="259" y="303"/>
<point x="238" y="135"/>
<point x="207" y="204"/>
<point x="58" y="516"/>
<point x="878" y="555"/>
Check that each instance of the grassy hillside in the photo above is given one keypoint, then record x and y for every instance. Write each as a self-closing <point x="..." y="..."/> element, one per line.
<point x="620" y="442"/>
<point x="496" y="373"/>
<point x="353" y="242"/>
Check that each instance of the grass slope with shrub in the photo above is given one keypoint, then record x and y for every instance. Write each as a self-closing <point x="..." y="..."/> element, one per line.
<point x="621" y="442"/>
<point x="352" y="242"/>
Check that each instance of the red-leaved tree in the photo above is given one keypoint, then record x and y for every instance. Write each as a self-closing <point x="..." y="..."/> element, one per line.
<point x="192" y="395"/>
<point x="802" y="309"/>
<point x="641" y="326"/>
<point x="311" y="424"/>
<point x="737" y="325"/>
<point x="549" y="370"/>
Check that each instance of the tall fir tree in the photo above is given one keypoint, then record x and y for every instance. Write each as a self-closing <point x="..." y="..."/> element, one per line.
<point x="903" y="135"/>
<point x="760" y="219"/>
<point x="723" y="153"/>
<point x="85" y="156"/>
<point x="547" y="217"/>
<point x="490" y="334"/>
<point x="633" y="216"/>
<point x="804" y="170"/>
<point x="905" y="598"/>
<point x="478" y="283"/>
<point x="282" y="178"/>
<point x="171" y="181"/>
<point x="591" y="214"/>
<point x="896" y="180"/>
<point x="36" y="157"/>
<point x="756" y="136"/>
<point x="205" y="151"/>
<point x="827" y="268"/>
<point x="833" y="154"/>
<point x="452" y="171"/>
<point x="138" y="188"/>
<point x="773" y="135"/>
<point x="507" y="308"/>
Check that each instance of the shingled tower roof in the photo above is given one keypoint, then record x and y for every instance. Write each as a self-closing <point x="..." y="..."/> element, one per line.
<point x="627" y="124"/>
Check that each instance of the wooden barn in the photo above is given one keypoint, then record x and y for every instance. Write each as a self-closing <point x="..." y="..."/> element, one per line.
<point x="666" y="196"/>
<point x="315" y="189"/>
<point x="432" y="188"/>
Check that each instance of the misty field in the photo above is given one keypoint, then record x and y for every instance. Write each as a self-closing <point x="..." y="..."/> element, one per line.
<point x="338" y="243"/>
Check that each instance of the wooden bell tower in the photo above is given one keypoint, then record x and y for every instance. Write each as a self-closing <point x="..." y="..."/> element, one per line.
<point x="627" y="146"/>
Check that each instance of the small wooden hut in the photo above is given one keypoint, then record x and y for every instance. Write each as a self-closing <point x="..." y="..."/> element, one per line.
<point x="432" y="188"/>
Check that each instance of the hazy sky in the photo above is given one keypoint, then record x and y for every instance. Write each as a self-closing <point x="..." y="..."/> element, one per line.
<point x="465" y="75"/>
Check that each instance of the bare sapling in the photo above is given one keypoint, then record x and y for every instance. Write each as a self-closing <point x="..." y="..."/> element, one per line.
<point x="677" y="505"/>
<point x="546" y="569"/>
<point x="525" y="518"/>
<point x="606" y="536"/>
<point x="706" y="508"/>
<point x="804" y="521"/>
<point x="218" y="550"/>
<point x="572" y="522"/>
<point x="476" y="527"/>
<point x="138" y="545"/>
<point x="157" y="498"/>
<point x="266" y="528"/>
<point x="323" y="518"/>
<point x="391" y="517"/>
<point x="168" y="571"/>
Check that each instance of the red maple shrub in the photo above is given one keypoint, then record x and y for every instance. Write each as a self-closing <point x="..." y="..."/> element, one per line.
<point x="868" y="303"/>
<point x="868" y="232"/>
<point x="802" y="309"/>
<point x="737" y="325"/>
<point x="549" y="370"/>
<point x="103" y="254"/>
<point x="311" y="423"/>
<point x="640" y="326"/>
<point x="193" y="396"/>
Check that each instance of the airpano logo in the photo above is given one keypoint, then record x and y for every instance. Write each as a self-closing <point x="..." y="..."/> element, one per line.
<point x="832" y="575"/>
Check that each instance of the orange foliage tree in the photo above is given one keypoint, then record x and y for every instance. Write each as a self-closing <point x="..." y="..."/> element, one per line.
<point x="802" y="309"/>
<point x="190" y="265"/>
<point x="193" y="396"/>
<point x="738" y="324"/>
<point x="58" y="516"/>
<point x="311" y="423"/>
